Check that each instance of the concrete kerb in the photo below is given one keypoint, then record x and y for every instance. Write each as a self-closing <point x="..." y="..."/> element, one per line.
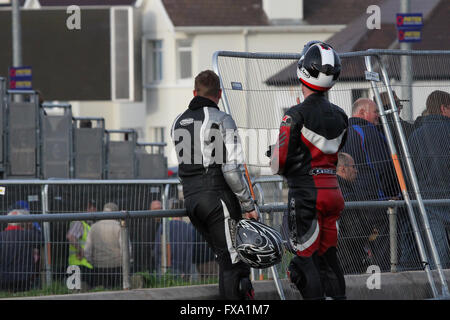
<point x="411" y="285"/>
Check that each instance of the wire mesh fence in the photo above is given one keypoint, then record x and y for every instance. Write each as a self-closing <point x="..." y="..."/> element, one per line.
<point x="163" y="250"/>
<point x="46" y="257"/>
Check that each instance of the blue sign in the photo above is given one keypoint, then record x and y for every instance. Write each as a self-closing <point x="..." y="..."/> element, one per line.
<point x="409" y="26"/>
<point x="20" y="78"/>
<point x="236" y="85"/>
<point x="410" y="35"/>
<point x="409" y="20"/>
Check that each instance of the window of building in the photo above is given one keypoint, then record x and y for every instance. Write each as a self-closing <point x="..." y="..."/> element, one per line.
<point x="154" y="61"/>
<point x="184" y="59"/>
<point x="156" y="134"/>
<point x="359" y="93"/>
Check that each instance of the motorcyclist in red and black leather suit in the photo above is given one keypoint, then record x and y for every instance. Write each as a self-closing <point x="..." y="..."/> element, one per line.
<point x="311" y="134"/>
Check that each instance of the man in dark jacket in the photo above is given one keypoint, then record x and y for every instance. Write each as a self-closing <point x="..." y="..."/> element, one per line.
<point x="430" y="150"/>
<point x="179" y="244"/>
<point x="19" y="262"/>
<point x="430" y="147"/>
<point x="376" y="175"/>
<point x="347" y="173"/>
<point x="356" y="238"/>
<point x="368" y="147"/>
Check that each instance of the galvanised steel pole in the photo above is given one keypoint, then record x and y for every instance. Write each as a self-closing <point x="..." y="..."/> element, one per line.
<point x="392" y="213"/>
<point x="398" y="169"/>
<point x="46" y="232"/>
<point x="125" y="253"/>
<point x="16" y="34"/>
<point x="16" y="28"/>
<point x="406" y="70"/>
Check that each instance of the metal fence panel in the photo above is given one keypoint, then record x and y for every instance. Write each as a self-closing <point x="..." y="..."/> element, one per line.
<point x="57" y="145"/>
<point x="22" y="139"/>
<point x="121" y="157"/>
<point x="121" y="160"/>
<point x="151" y="166"/>
<point x="89" y="157"/>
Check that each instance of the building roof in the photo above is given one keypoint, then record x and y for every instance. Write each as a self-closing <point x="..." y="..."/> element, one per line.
<point x="334" y="11"/>
<point x="251" y="13"/>
<point x="357" y="37"/>
<point x="65" y="3"/>
<point x="215" y="13"/>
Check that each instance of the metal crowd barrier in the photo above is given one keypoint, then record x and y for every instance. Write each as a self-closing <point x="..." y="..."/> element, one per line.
<point x="38" y="142"/>
<point x="50" y="216"/>
<point x="55" y="203"/>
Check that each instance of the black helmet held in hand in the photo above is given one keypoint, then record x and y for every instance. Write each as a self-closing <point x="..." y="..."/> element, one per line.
<point x="257" y="244"/>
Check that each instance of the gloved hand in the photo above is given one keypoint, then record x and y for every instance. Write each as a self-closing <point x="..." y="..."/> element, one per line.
<point x="252" y="215"/>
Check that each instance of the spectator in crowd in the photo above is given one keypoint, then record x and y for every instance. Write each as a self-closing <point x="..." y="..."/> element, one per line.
<point x="156" y="205"/>
<point x="104" y="250"/>
<point x="22" y="204"/>
<point x="347" y="172"/>
<point x="376" y="176"/>
<point x="19" y="263"/>
<point x="429" y="145"/>
<point x="143" y="233"/>
<point x="354" y="231"/>
<point x="203" y="257"/>
<point x="77" y="236"/>
<point x="179" y="243"/>
<point x="369" y="149"/>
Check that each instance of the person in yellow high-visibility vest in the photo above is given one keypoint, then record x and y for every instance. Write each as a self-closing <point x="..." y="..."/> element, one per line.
<point x="77" y="235"/>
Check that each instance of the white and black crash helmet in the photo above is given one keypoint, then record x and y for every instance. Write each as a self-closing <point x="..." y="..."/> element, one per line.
<point x="257" y="244"/>
<point x="319" y="66"/>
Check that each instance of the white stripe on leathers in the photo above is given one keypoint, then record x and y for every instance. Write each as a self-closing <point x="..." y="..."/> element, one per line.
<point x="233" y="254"/>
<point x="322" y="143"/>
